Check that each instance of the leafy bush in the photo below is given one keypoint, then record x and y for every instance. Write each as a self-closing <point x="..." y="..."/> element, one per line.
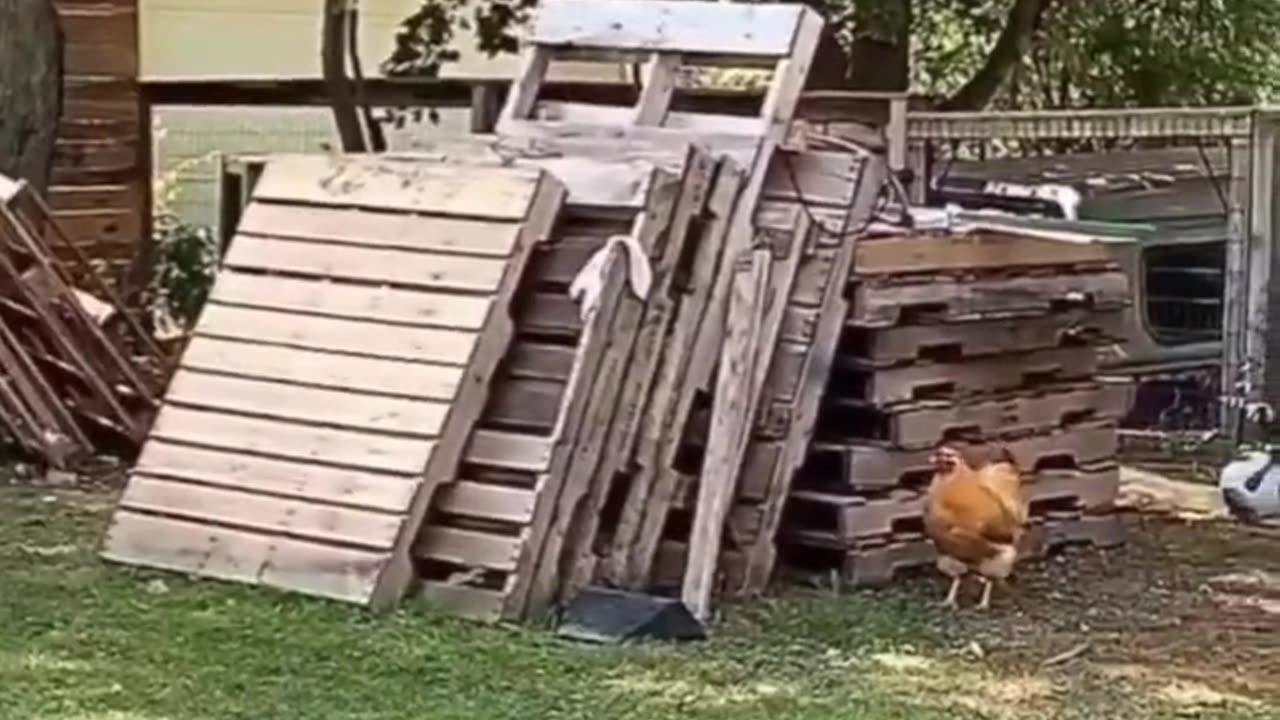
<point x="186" y="258"/>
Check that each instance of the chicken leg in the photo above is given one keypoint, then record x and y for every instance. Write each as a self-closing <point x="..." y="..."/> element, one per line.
<point x="950" y="601"/>
<point x="985" y="603"/>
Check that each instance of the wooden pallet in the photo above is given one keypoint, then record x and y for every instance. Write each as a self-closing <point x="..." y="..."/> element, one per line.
<point x="827" y="180"/>
<point x="878" y="561"/>
<point x="979" y="250"/>
<point x="335" y="375"/>
<point x="869" y="467"/>
<point x="950" y="299"/>
<point x="885" y="387"/>
<point x="923" y="425"/>
<point x="856" y="517"/>
<point x="67" y="386"/>
<point x="830" y="183"/>
<point x="541" y="436"/>
<point x="661" y="376"/>
<point x="886" y="347"/>
<point x="666" y="37"/>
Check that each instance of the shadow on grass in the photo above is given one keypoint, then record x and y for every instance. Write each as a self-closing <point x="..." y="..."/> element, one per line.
<point x="85" y="641"/>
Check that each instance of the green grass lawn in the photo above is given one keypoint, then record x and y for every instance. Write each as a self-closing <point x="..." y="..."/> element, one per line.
<point x="85" y="641"/>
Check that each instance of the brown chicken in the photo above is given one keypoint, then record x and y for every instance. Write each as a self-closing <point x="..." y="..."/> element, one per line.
<point x="975" y="518"/>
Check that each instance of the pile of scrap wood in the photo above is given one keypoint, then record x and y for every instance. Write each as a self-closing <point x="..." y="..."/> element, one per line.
<point x="589" y="348"/>
<point x="69" y="381"/>
<point x="409" y="366"/>
<point x="971" y="336"/>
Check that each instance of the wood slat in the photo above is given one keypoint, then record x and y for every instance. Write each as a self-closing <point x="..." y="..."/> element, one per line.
<point x="978" y="250"/>
<point x="374" y="413"/>
<point x="509" y="451"/>
<point x="599" y="180"/>
<point x="375" y="265"/>
<point x="291" y="441"/>
<point x="469" y="548"/>
<point x="356" y="302"/>
<point x="68" y="198"/>
<point x="107" y="156"/>
<point x="380" y="229"/>
<point x="320" y="483"/>
<point x="426" y="345"/>
<point x="117" y="226"/>
<point x="669" y="26"/>
<point x="99" y="24"/>
<point x="262" y="513"/>
<point x="480" y="500"/>
<point x="105" y="60"/>
<point x="325" y="570"/>
<point x="533" y="360"/>
<point x="465" y="601"/>
<point x="324" y="369"/>
<point x="349" y="181"/>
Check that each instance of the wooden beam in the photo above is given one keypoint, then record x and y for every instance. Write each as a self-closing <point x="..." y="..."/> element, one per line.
<point x="731" y="418"/>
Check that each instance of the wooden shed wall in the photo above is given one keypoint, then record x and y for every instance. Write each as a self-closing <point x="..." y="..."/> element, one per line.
<point x="101" y="169"/>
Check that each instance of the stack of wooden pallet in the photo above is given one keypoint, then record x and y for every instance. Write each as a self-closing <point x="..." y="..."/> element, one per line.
<point x="554" y="347"/>
<point x="965" y="337"/>
<point x="68" y="387"/>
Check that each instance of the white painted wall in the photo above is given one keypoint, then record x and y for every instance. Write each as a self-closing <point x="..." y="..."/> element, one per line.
<point x="280" y="40"/>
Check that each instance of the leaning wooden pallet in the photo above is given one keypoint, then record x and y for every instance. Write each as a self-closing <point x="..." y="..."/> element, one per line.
<point x="342" y="361"/>
<point x="669" y="36"/>
<point x="838" y="189"/>
<point x="487" y="566"/>
<point x="636" y="435"/>
<point x="784" y="430"/>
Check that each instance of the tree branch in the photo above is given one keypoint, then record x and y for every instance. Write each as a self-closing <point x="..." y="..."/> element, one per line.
<point x="333" y="64"/>
<point x="1014" y="42"/>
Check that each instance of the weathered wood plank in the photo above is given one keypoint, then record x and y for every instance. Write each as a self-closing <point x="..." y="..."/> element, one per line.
<point x="388" y="493"/>
<point x="372" y="265"/>
<point x="352" y="302"/>
<point x="470" y="548"/>
<point x="323" y="369"/>
<point x="337" y="408"/>
<point x="732" y="414"/>
<point x="262" y="513"/>
<point x="510" y="451"/>
<point x="426" y="345"/>
<point x="669" y="26"/>
<point x="226" y="554"/>
<point x="368" y="182"/>
<point x="291" y="441"/>
<point x="946" y="299"/>
<point x="491" y="502"/>
<point x="379" y="229"/>
<point x="971" y="252"/>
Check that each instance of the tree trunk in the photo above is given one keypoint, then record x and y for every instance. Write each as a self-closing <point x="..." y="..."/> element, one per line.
<point x="879" y="63"/>
<point x="1012" y="44"/>
<point x="342" y="100"/>
<point x="30" y="89"/>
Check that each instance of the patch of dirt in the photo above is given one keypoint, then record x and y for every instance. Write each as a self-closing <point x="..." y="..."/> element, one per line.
<point x="1156" y="611"/>
<point x="100" y="474"/>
